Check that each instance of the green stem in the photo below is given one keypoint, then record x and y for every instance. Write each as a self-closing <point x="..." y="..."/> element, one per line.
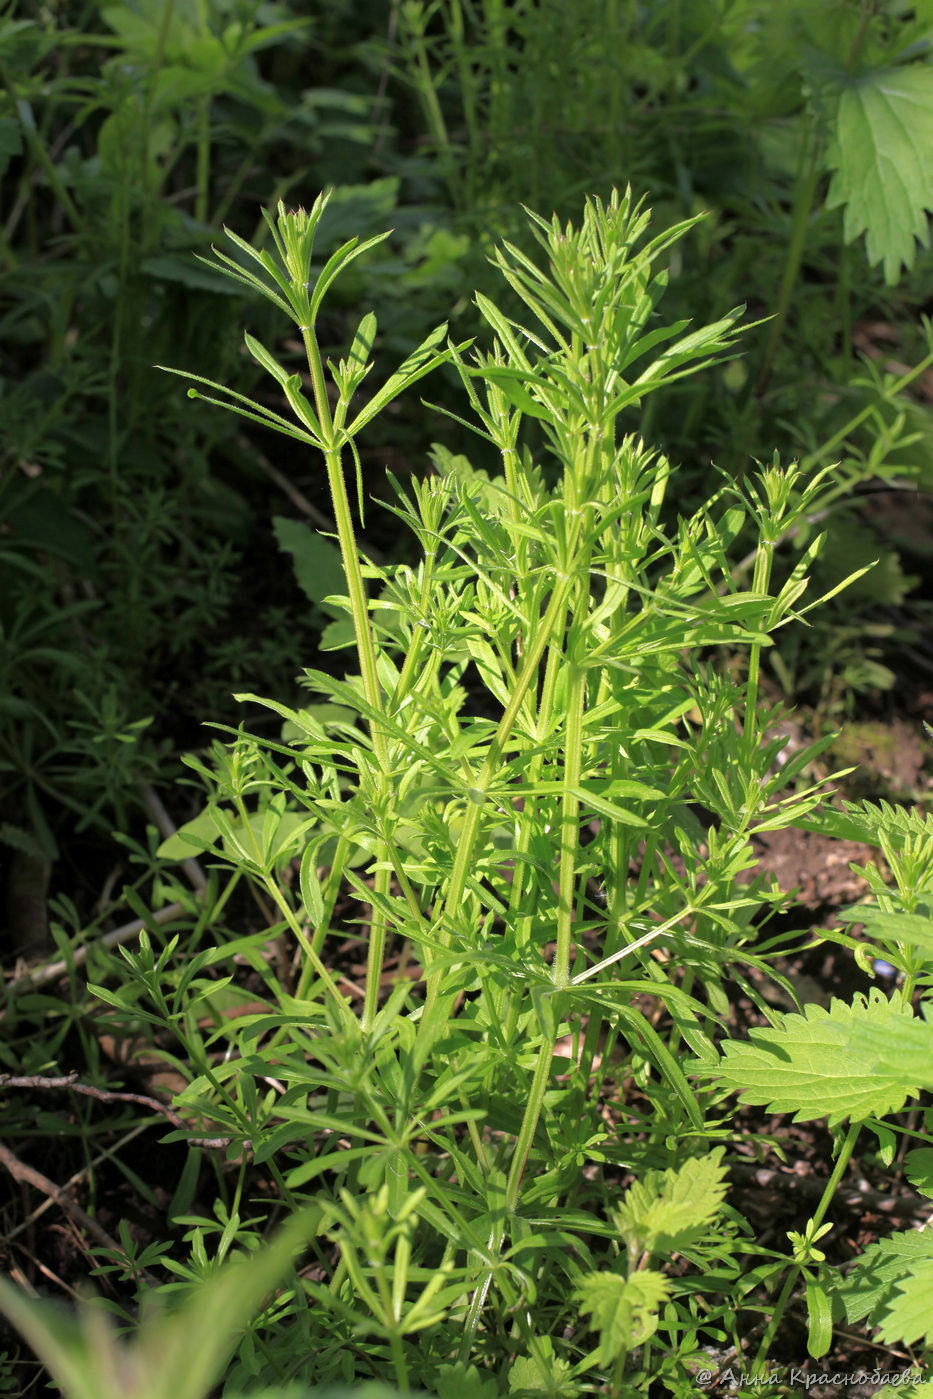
<point x="398" y="1363"/>
<point x="301" y="938"/>
<point x="842" y="1161"/>
<point x="366" y="652"/>
<point x="868" y="13"/>
<point x="203" y="178"/>
<point x="41" y="156"/>
<point x="471" y="826"/>
<point x="570" y="821"/>
<point x="804" y="197"/>
<point x="887" y="396"/>
<point x="530" y="1120"/>
<point x="760" y="583"/>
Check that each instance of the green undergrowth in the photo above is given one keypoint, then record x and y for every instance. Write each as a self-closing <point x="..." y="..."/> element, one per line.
<point x="528" y="797"/>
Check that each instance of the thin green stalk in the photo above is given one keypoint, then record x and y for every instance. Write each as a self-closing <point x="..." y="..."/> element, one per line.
<point x="288" y="913"/>
<point x="570" y="839"/>
<point x="570" y="821"/>
<point x="868" y="14"/>
<point x="468" y="87"/>
<point x="41" y="156"/>
<point x="465" y="850"/>
<point x="760" y="583"/>
<point x="414" y="22"/>
<point x="303" y="941"/>
<point x="366" y="652"/>
<point x="513" y="1186"/>
<point x="887" y="397"/>
<point x="530" y="1120"/>
<point x="398" y="1362"/>
<point x="203" y="176"/>
<point x="842" y="1161"/>
<point x="158" y="60"/>
<point x="804" y="197"/>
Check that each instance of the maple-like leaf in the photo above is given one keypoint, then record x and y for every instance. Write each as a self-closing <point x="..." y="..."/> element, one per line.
<point x="529" y="1380"/>
<point x="624" y="1310"/>
<point x="824" y="1063"/>
<point x="881" y="157"/>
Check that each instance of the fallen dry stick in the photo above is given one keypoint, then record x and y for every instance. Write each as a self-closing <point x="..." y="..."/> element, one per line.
<point x="105" y="1095"/>
<point x="28" y="1175"/>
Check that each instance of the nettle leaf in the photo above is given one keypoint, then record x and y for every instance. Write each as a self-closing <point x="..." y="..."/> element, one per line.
<point x="883" y="174"/>
<point x="901" y="1048"/>
<point x="900" y="927"/>
<point x="909" y="1317"/>
<point x="891" y="1286"/>
<point x="666" y="1212"/>
<point x="820" y="1064"/>
<point x="624" y="1310"/>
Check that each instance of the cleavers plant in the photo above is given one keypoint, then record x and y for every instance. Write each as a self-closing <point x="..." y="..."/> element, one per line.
<point x="535" y="786"/>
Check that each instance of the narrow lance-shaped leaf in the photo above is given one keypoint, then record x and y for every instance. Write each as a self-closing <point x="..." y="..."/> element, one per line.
<point x="255" y="411"/>
<point x="415" y="367"/>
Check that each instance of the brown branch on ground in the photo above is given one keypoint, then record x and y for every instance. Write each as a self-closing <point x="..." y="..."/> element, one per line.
<point x="28" y="1175"/>
<point x="105" y="1095"/>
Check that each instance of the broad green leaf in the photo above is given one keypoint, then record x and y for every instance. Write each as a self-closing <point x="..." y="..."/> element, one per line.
<point x="820" y="1313"/>
<point x="869" y="1287"/>
<point x="462" y="1381"/>
<point x="883" y="172"/>
<point x="908" y="1317"/>
<point x="624" y="1310"/>
<point x="199" y="834"/>
<point x="317" y="563"/>
<point x="867" y="823"/>
<point x="901" y="1047"/>
<point x="814" y="1064"/>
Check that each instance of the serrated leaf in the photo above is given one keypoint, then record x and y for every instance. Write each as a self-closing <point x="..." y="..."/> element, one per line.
<point x="883" y="173"/>
<point x="624" y="1310"/>
<point x="665" y="1213"/>
<point x="871" y="1283"/>
<point x="901" y="1047"/>
<point x="816" y="1065"/>
<point x="909" y="1316"/>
